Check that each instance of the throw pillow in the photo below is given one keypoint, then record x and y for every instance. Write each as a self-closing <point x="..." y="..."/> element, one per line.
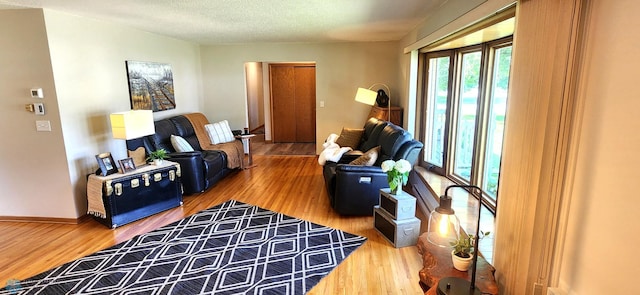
<point x="219" y="132"/>
<point x="368" y="158"/>
<point x="139" y="156"/>
<point x="180" y="144"/>
<point x="350" y="137"/>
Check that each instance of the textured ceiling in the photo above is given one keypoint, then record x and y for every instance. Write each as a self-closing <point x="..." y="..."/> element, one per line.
<point x="249" y="21"/>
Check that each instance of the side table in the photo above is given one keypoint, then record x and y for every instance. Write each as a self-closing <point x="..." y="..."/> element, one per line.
<point x="246" y="143"/>
<point x="122" y="198"/>
<point x="395" y="218"/>
<point x="437" y="264"/>
<point x="382" y="113"/>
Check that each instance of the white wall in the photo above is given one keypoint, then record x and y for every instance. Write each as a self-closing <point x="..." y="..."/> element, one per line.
<point x="255" y="94"/>
<point x="33" y="171"/>
<point x="603" y="233"/>
<point x="87" y="58"/>
<point x="340" y="69"/>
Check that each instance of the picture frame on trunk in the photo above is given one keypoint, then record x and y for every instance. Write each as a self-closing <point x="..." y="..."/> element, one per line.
<point x="127" y="165"/>
<point x="106" y="163"/>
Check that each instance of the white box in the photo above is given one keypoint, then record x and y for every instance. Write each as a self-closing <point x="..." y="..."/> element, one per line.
<point x="400" y="233"/>
<point x="400" y="206"/>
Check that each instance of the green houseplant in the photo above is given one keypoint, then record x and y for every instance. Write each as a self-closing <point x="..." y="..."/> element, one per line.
<point x="462" y="248"/>
<point x="157" y="156"/>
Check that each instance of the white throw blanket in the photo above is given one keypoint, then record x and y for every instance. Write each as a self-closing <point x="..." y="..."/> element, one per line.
<point x="332" y="151"/>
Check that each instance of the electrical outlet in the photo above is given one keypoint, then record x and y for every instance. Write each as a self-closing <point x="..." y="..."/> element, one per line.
<point x="43" y="125"/>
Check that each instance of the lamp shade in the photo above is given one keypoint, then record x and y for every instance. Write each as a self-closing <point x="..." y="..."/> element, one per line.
<point x="444" y="225"/>
<point x="132" y="124"/>
<point x="366" y="96"/>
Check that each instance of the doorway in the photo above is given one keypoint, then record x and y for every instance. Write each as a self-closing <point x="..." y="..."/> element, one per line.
<point x="254" y="82"/>
<point x="260" y="115"/>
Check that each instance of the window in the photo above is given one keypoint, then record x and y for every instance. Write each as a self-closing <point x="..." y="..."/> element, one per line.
<point x="464" y="107"/>
<point x="436" y="110"/>
<point x="465" y="115"/>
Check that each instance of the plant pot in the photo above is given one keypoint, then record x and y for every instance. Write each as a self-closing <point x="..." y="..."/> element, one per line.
<point x="157" y="162"/>
<point x="461" y="264"/>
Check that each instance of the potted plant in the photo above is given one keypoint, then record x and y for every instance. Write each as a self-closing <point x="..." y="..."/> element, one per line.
<point x="462" y="248"/>
<point x="157" y="156"/>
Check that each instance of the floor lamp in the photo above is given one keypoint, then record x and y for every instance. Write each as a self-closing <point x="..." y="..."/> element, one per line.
<point x="368" y="96"/>
<point x="442" y="221"/>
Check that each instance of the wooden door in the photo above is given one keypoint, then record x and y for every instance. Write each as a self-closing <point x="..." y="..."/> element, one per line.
<point x="305" y="105"/>
<point x="293" y="101"/>
<point x="282" y="103"/>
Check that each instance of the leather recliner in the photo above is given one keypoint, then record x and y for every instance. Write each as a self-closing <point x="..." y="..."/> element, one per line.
<point x="354" y="189"/>
<point x="200" y="169"/>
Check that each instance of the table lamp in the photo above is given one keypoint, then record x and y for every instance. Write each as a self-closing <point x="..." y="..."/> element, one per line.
<point x="368" y="96"/>
<point x="132" y="124"/>
<point x="443" y="227"/>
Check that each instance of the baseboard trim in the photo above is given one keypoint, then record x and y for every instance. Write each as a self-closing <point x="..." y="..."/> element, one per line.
<point x="35" y="219"/>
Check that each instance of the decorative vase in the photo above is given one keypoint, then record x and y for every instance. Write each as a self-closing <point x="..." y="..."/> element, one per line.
<point x="395" y="185"/>
<point x="157" y="162"/>
<point x="397" y="174"/>
<point x="459" y="263"/>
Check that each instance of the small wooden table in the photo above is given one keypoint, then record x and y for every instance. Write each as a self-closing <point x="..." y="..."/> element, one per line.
<point x="246" y="143"/>
<point x="437" y="265"/>
<point x="382" y="113"/>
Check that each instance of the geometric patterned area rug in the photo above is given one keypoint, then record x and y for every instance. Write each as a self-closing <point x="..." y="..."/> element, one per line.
<point x="232" y="248"/>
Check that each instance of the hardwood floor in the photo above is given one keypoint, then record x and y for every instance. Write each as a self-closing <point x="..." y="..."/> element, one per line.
<point x="290" y="185"/>
<point x="260" y="147"/>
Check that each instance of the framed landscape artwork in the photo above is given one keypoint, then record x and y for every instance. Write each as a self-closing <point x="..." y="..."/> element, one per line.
<point x="150" y="86"/>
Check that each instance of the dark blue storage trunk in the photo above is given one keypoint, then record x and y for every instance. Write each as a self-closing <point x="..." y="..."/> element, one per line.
<point x="138" y="195"/>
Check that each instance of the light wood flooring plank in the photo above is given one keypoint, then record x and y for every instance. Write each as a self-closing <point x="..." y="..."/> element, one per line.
<point x="290" y="185"/>
<point x="260" y="147"/>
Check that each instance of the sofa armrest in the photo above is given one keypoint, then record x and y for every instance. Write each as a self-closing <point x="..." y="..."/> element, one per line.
<point x="346" y="168"/>
<point x="192" y="169"/>
<point x="352" y="178"/>
<point x="180" y="155"/>
<point x="350" y="156"/>
<point x="357" y="189"/>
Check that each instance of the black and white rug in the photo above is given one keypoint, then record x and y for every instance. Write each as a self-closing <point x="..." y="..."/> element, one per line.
<point x="232" y="248"/>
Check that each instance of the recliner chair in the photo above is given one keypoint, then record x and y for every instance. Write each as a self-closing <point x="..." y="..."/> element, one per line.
<point x="353" y="189"/>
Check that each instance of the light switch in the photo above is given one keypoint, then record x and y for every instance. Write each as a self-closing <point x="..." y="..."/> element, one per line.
<point x="322" y="103"/>
<point x="43" y="125"/>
